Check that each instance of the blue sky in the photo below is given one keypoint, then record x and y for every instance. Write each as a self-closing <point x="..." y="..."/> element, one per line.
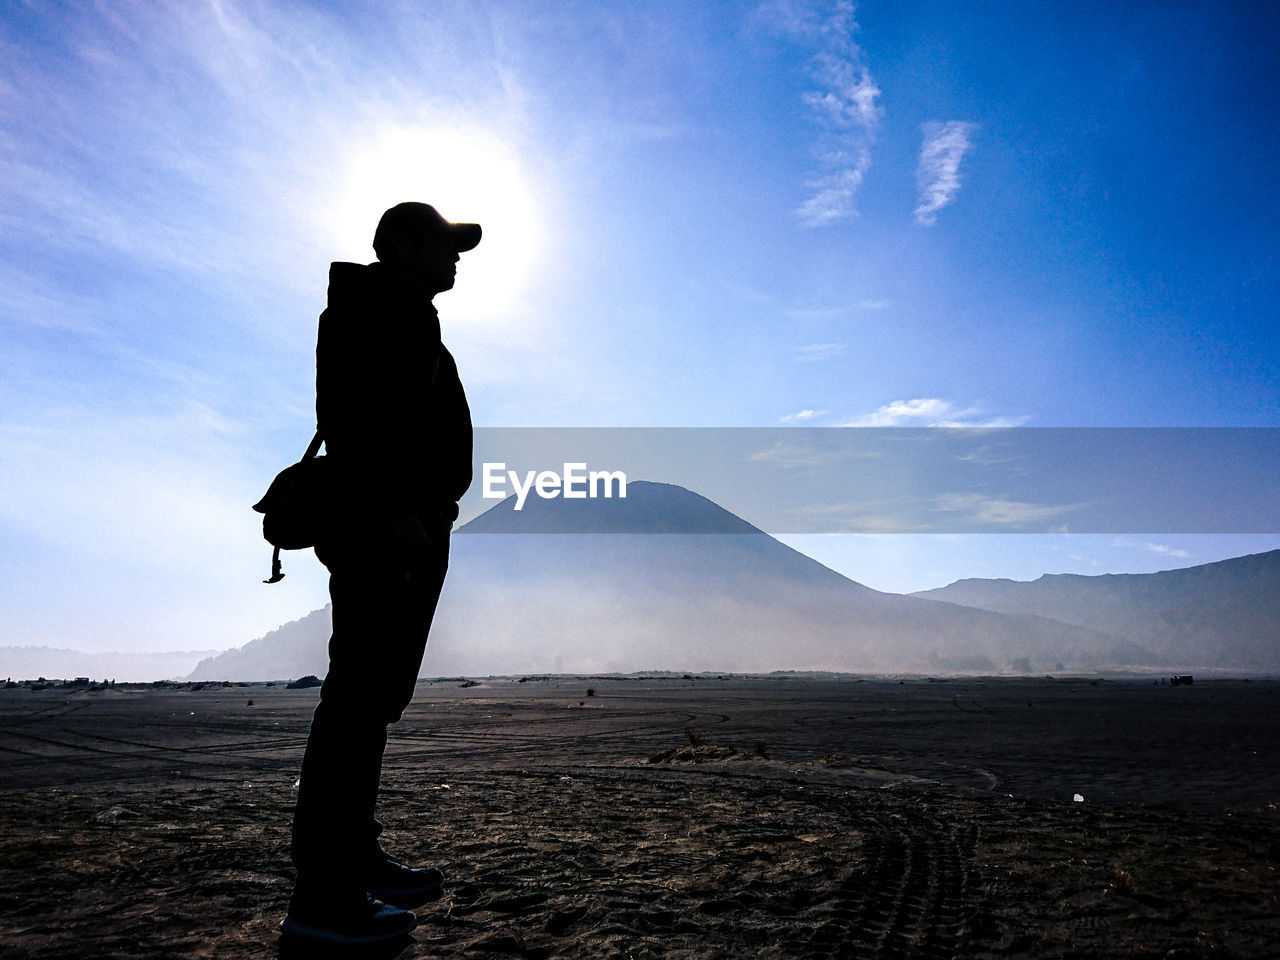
<point x="712" y="214"/>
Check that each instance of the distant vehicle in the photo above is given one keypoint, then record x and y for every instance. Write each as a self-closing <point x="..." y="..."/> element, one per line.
<point x="1185" y="679"/>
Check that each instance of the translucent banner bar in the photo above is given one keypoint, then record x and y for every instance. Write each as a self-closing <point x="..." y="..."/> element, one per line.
<point x="880" y="480"/>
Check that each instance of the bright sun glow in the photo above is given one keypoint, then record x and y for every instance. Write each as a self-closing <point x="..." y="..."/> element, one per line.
<point x="467" y="174"/>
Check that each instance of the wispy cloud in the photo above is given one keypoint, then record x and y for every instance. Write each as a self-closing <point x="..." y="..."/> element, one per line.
<point x="819" y="351"/>
<point x="842" y="106"/>
<point x="989" y="455"/>
<point x="921" y="411"/>
<point x="998" y="512"/>
<point x="844" y="311"/>
<point x="805" y="453"/>
<point x="938" y="175"/>
<point x="1160" y="548"/>
<point x="801" y="416"/>
<point x="930" y="412"/>
<point x="865" y="516"/>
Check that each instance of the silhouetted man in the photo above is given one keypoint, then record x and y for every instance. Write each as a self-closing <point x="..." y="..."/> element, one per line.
<point x="397" y="433"/>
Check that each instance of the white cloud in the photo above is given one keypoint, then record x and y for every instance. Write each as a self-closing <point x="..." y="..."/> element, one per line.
<point x="938" y="176"/>
<point x="842" y="312"/>
<point x="1160" y="548"/>
<point x="921" y="411"/>
<point x="843" y="107"/>
<point x="989" y="510"/>
<point x="801" y="415"/>
<point x="819" y="351"/>
<point x="803" y="454"/>
<point x="988" y="455"/>
<point x="859" y="517"/>
<point x="930" y="412"/>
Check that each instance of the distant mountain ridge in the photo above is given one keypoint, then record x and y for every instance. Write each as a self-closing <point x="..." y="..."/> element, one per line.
<point x="725" y="598"/>
<point x="1224" y="614"/>
<point x="293" y="650"/>
<point x="29" y="663"/>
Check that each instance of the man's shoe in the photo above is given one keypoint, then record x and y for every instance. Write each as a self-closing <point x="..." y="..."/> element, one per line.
<point x="361" y="921"/>
<point x="403" y="886"/>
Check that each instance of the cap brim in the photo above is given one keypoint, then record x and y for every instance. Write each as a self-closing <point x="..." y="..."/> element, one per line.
<point x="465" y="236"/>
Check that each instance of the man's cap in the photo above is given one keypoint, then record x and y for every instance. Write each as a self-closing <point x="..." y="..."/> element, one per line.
<point x="412" y="218"/>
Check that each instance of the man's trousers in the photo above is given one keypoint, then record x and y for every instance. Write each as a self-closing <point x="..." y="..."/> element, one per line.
<point x="384" y="581"/>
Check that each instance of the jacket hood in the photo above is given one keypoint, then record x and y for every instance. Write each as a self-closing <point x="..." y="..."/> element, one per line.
<point x="362" y="283"/>
<point x="350" y="282"/>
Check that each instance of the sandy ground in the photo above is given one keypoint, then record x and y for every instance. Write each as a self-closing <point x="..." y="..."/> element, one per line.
<point x="670" y="818"/>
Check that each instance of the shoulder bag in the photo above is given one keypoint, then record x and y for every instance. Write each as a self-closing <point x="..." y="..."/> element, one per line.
<point x="297" y="506"/>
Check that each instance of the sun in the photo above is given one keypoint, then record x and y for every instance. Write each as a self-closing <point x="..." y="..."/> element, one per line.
<point x="468" y="174"/>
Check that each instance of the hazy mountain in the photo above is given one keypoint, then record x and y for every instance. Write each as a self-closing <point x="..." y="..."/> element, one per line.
<point x="1224" y="614"/>
<point x="728" y="597"/>
<point x="28" y="663"/>
<point x="294" y="650"/>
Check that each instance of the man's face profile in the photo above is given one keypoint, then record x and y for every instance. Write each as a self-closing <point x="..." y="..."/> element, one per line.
<point x="433" y="263"/>
<point x="429" y="262"/>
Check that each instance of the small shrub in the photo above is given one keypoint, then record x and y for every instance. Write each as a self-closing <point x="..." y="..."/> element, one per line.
<point x="696" y="738"/>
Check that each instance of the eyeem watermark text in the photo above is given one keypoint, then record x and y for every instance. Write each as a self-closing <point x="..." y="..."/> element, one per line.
<point x="575" y="483"/>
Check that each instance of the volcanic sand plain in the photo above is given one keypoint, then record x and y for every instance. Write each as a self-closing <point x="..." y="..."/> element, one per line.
<point x="695" y="817"/>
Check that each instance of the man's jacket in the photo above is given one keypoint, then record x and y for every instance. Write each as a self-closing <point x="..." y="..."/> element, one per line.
<point x="389" y="404"/>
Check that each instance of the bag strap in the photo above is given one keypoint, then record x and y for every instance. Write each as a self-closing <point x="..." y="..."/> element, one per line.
<point x="313" y="447"/>
<point x="277" y="574"/>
